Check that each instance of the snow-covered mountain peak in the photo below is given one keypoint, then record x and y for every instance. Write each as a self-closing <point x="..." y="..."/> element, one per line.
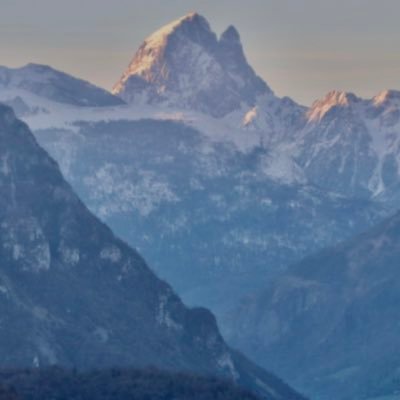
<point x="192" y="26"/>
<point x="335" y="98"/>
<point x="230" y="52"/>
<point x="149" y="59"/>
<point x="387" y="97"/>
<point x="189" y="24"/>
<point x="29" y="73"/>
<point x="38" y="68"/>
<point x="51" y="84"/>
<point x="231" y="34"/>
<point x="184" y="65"/>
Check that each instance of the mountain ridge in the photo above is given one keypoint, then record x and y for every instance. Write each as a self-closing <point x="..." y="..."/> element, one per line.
<point x="55" y="85"/>
<point x="71" y="293"/>
<point x="336" y="309"/>
<point x="185" y="57"/>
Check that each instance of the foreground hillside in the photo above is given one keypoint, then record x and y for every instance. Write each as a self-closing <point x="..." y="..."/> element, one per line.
<point x="73" y="294"/>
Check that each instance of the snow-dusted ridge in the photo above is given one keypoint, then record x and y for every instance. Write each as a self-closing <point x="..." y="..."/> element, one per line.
<point x="55" y="85"/>
<point x="387" y="97"/>
<point x="334" y="98"/>
<point x="185" y="72"/>
<point x="153" y="48"/>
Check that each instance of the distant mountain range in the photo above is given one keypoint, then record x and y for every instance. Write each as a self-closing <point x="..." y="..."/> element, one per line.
<point x="186" y="177"/>
<point x="219" y="183"/>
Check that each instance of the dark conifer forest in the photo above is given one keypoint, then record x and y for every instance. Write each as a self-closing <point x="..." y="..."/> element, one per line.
<point x="114" y="384"/>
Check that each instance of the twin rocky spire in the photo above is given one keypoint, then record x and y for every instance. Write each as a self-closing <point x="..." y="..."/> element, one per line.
<point x="185" y="65"/>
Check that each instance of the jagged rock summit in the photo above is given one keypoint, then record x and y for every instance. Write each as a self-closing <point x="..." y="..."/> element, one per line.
<point x="185" y="65"/>
<point x="335" y="98"/>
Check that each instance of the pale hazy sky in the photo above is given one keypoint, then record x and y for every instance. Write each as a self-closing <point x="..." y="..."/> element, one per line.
<point x="302" y="48"/>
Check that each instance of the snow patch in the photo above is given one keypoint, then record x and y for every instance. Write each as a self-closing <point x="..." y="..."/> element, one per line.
<point x="250" y="117"/>
<point x="70" y="256"/>
<point x="225" y="362"/>
<point x="111" y="253"/>
<point x="163" y="316"/>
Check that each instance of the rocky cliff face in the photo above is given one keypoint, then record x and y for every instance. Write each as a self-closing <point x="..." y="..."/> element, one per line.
<point x="330" y="324"/>
<point x="352" y="145"/>
<point x="71" y="293"/>
<point x="185" y="65"/>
